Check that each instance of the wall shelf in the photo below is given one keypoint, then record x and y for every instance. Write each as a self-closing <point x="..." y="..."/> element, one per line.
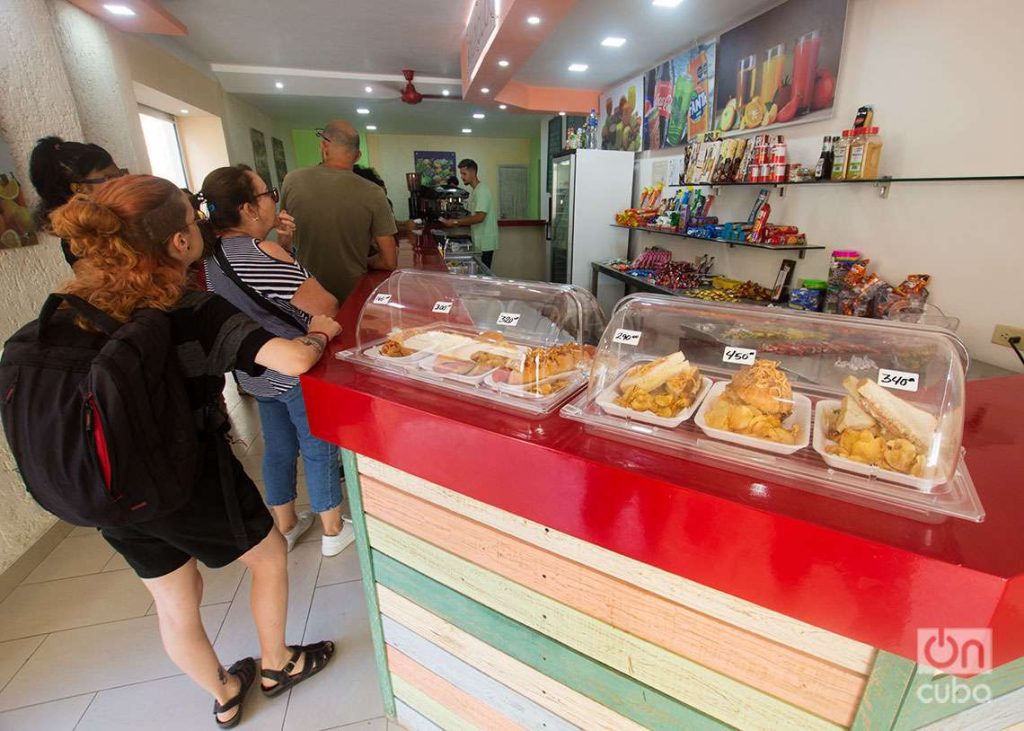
<point x="882" y="183"/>
<point x="801" y="249"/>
<point x="646" y="285"/>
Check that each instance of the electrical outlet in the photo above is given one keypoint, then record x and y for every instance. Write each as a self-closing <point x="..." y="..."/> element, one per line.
<point x="1002" y="334"/>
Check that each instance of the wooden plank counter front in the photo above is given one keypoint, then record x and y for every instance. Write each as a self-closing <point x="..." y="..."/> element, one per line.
<point x="524" y="573"/>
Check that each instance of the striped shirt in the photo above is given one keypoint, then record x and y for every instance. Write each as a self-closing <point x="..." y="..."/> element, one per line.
<point x="277" y="282"/>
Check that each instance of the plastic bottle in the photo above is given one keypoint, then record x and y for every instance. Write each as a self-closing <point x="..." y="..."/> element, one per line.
<point x="592" y="130"/>
<point x="865" y="152"/>
<point x="841" y="155"/>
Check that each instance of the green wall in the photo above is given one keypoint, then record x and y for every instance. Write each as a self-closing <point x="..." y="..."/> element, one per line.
<point x="307" y="148"/>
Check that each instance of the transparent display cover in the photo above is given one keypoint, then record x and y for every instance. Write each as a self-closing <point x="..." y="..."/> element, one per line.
<point x="522" y="346"/>
<point x="870" y="411"/>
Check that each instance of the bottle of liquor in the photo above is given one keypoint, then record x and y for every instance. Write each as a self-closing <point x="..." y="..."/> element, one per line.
<point x="823" y="170"/>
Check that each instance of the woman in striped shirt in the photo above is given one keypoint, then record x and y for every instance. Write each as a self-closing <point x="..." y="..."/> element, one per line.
<point x="262" y="279"/>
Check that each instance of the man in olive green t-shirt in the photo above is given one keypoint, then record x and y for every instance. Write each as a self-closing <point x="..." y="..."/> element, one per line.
<point x="482" y="219"/>
<point x="339" y="214"/>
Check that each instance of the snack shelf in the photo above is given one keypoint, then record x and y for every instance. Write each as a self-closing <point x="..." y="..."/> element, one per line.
<point x="649" y="286"/>
<point x="745" y="244"/>
<point x="882" y="183"/>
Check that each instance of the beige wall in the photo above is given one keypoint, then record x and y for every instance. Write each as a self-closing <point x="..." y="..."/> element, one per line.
<point x="239" y="118"/>
<point x="945" y="96"/>
<point x="203" y="145"/>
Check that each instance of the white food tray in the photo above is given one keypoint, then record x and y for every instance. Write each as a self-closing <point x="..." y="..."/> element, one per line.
<point x="375" y="353"/>
<point x="522" y="391"/>
<point x="801" y="415"/>
<point x="607" y="403"/>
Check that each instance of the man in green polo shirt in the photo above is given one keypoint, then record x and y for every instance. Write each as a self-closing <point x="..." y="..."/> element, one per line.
<point x="483" y="218"/>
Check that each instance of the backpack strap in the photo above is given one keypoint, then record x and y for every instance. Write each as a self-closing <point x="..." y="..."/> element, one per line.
<point x="269" y="307"/>
<point x="93" y="314"/>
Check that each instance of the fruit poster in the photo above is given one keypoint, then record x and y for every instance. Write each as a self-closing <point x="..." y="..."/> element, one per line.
<point x="679" y="98"/>
<point x="16" y="226"/>
<point x="619" y="122"/>
<point x="781" y="67"/>
<point x="434" y="167"/>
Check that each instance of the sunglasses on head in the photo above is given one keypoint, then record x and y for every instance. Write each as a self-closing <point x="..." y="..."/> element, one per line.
<point x="321" y="132"/>
<point x="121" y="172"/>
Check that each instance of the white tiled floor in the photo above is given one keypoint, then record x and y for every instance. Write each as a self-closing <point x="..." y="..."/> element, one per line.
<point x="80" y="649"/>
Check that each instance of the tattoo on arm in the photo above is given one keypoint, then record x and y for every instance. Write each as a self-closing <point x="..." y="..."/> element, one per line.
<point x="313" y="342"/>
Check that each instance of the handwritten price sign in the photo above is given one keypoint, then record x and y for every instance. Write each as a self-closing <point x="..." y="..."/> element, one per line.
<point x="741" y="356"/>
<point x="382" y="299"/>
<point x="508" y="319"/>
<point x="442" y="307"/>
<point x="626" y="337"/>
<point x="899" y="380"/>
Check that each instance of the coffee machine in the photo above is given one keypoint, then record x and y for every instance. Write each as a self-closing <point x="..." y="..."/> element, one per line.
<point x="434" y="203"/>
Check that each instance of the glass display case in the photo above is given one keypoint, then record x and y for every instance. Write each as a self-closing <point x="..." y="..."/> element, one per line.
<point x="870" y="411"/>
<point x="520" y="346"/>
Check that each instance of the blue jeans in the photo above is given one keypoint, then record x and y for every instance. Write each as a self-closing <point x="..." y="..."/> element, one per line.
<point x="286" y="434"/>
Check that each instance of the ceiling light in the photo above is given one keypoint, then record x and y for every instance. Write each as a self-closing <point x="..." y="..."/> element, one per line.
<point x="485" y="90"/>
<point x="362" y="110"/>
<point x="445" y="92"/>
<point x="503" y="63"/>
<point x="578" y="67"/>
<point x="533" y="20"/>
<point x="466" y="130"/>
<point x="369" y="89"/>
<point x="119" y="10"/>
<point x="561" y="114"/>
<point x="478" y="115"/>
<point x="666" y="3"/>
<point x="371" y="127"/>
<point x="184" y="111"/>
<point x="613" y="42"/>
<point x="503" y="106"/>
<point x="279" y="85"/>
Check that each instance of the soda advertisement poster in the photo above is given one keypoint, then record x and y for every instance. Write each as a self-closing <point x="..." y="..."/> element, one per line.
<point x="679" y="98"/>
<point x="16" y="225"/>
<point x="619" y="121"/>
<point x="780" y="68"/>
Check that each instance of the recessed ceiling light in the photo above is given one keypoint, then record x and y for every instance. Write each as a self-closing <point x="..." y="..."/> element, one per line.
<point x="362" y="110"/>
<point x="478" y="115"/>
<point x="369" y="89"/>
<point x="578" y="67"/>
<point x="666" y="3"/>
<point x="561" y="114"/>
<point x="533" y="20"/>
<point x="119" y="10"/>
<point x="371" y="127"/>
<point x="503" y="106"/>
<point x="279" y="85"/>
<point x="485" y="90"/>
<point x="503" y="63"/>
<point x="184" y="111"/>
<point x="445" y="92"/>
<point x="613" y="42"/>
<point x="466" y="130"/>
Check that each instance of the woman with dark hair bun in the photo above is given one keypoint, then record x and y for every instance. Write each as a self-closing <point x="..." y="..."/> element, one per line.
<point x="59" y="169"/>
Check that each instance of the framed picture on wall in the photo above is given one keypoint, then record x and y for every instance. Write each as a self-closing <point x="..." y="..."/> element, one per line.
<point x="17" y="228"/>
<point x="434" y="167"/>
<point x="280" y="162"/>
<point x="259" y="156"/>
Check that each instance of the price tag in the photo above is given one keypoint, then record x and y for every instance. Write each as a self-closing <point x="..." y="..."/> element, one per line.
<point x="382" y="299"/>
<point x="442" y="307"/>
<point x="742" y="356"/>
<point x="509" y="319"/>
<point x="626" y="337"/>
<point x="900" y="380"/>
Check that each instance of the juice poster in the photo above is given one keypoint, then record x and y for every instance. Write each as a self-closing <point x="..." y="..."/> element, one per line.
<point x="16" y="225"/>
<point x="781" y="67"/>
<point x="679" y="98"/>
<point x="619" y="121"/>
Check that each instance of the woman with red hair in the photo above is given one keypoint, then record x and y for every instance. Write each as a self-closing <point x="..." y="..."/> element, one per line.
<point x="135" y="238"/>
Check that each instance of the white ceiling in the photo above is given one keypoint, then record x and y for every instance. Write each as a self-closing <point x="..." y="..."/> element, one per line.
<point x="652" y="34"/>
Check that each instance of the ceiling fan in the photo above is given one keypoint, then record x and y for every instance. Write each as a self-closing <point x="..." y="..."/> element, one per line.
<point x="411" y="96"/>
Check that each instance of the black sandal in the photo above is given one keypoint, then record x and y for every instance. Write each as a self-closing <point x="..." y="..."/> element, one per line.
<point x="245" y="671"/>
<point x="318" y="655"/>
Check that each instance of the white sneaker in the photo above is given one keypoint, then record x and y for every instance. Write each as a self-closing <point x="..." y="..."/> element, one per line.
<point x="333" y="545"/>
<point x="301" y="526"/>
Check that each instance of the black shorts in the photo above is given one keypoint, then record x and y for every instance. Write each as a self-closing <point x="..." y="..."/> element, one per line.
<point x="201" y="529"/>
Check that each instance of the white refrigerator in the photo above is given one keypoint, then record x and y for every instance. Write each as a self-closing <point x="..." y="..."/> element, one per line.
<point x="588" y="187"/>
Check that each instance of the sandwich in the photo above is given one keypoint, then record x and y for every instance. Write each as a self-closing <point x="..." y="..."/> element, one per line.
<point x="664" y="386"/>
<point x="765" y="387"/>
<point x="651" y="376"/>
<point x="851" y="416"/>
<point x="894" y="415"/>
<point x="541" y="363"/>
<point x="755" y="403"/>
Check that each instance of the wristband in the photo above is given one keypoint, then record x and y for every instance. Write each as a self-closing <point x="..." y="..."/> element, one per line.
<point x="327" y="338"/>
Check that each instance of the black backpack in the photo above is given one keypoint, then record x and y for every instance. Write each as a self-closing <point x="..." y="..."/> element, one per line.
<point x="99" y="423"/>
